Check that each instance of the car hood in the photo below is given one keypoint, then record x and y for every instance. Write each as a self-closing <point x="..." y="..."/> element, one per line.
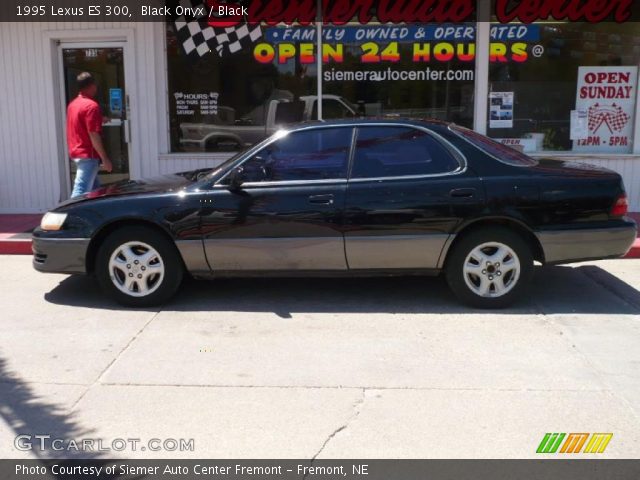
<point x="155" y="185"/>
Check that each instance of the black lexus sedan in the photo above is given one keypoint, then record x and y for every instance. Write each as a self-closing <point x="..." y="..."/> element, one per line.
<point x="359" y="197"/>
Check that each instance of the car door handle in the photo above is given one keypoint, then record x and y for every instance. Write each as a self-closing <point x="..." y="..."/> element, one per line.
<point x="462" y="192"/>
<point x="321" y="199"/>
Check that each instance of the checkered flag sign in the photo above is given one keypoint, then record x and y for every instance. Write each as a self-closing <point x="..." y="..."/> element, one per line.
<point x="613" y="116"/>
<point x="198" y="38"/>
<point x="619" y="118"/>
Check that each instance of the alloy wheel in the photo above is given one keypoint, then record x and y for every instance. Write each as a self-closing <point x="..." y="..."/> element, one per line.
<point x="136" y="269"/>
<point x="491" y="270"/>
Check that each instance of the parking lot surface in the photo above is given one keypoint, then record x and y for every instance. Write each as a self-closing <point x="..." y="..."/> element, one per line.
<point x="320" y="368"/>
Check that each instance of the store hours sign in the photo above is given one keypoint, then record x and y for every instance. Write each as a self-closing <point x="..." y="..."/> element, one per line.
<point x="189" y="104"/>
<point x="607" y="95"/>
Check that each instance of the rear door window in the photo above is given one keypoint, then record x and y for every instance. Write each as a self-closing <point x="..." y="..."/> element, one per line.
<point x="399" y="152"/>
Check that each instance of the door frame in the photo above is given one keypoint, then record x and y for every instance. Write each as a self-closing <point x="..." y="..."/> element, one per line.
<point x="55" y="41"/>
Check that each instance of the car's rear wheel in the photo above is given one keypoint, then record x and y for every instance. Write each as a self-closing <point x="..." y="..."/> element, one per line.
<point x="489" y="267"/>
<point x="138" y="267"/>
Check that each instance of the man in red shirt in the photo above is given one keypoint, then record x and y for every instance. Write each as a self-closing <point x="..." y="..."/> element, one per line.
<point x="84" y="126"/>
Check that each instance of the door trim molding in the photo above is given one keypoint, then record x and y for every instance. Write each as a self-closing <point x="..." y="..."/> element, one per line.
<point x="276" y="254"/>
<point x="420" y="251"/>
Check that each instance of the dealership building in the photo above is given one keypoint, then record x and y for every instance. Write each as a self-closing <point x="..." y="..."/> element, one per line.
<point x="183" y="93"/>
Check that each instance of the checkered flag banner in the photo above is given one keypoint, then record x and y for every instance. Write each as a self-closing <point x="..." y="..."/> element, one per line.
<point x="613" y="116"/>
<point x="198" y="38"/>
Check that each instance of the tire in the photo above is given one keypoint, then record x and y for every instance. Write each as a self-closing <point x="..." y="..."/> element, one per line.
<point x="489" y="285"/>
<point x="150" y="282"/>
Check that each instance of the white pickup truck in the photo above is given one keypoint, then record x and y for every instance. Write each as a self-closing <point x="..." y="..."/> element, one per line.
<point x="228" y="133"/>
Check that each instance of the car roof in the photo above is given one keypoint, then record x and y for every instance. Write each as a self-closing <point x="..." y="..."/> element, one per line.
<point x="324" y="95"/>
<point x="373" y="120"/>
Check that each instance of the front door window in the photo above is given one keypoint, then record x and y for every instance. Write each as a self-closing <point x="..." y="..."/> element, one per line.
<point x="317" y="154"/>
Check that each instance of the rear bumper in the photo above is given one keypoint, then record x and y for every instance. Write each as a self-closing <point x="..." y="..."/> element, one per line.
<point x="565" y="246"/>
<point x="60" y="255"/>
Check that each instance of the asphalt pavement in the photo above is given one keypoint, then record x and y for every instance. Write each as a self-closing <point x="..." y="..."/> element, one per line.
<point x="318" y="368"/>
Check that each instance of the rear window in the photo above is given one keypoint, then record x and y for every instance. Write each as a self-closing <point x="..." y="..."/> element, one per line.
<point x="399" y="152"/>
<point x="501" y="152"/>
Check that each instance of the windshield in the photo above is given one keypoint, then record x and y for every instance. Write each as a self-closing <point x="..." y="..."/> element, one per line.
<point x="500" y="152"/>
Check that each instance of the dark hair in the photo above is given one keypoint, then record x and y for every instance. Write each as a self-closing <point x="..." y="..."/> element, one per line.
<point x="84" y="80"/>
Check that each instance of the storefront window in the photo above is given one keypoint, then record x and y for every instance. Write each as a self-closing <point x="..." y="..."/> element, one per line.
<point x="563" y="86"/>
<point x="233" y="96"/>
<point x="412" y="70"/>
<point x="554" y="85"/>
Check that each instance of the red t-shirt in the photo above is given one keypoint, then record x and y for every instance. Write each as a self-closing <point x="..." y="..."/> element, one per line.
<point x="83" y="116"/>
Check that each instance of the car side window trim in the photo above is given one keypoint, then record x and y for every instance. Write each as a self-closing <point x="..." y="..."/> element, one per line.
<point x="292" y="183"/>
<point x="452" y="149"/>
<point x="355" y="126"/>
<point x="352" y="151"/>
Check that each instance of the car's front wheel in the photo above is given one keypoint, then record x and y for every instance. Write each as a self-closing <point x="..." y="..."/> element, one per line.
<point x="489" y="267"/>
<point x="138" y="267"/>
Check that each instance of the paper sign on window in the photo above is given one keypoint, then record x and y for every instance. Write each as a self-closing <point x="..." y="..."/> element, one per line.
<point x="608" y="95"/>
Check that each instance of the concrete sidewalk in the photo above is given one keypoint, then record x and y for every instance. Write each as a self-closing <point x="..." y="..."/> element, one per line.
<point x="350" y="368"/>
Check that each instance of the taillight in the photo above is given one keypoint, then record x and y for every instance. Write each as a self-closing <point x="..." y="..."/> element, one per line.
<point x="621" y="207"/>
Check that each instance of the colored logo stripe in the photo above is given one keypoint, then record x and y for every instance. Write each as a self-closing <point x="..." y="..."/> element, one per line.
<point x="574" y="442"/>
<point x="598" y="442"/>
<point x="550" y="443"/>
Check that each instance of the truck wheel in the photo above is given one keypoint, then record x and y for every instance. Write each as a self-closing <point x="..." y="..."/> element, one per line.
<point x="489" y="267"/>
<point x="138" y="267"/>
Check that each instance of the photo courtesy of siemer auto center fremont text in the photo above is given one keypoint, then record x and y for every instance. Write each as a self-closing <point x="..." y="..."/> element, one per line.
<point x="320" y="239"/>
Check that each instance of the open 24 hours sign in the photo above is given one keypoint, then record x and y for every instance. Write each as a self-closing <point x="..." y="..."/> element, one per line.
<point x="382" y="43"/>
<point x="608" y="96"/>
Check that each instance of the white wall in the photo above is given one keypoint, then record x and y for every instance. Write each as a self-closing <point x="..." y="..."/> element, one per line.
<point x="28" y="171"/>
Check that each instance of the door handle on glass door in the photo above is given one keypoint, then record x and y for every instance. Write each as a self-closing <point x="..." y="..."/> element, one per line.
<point x="127" y="132"/>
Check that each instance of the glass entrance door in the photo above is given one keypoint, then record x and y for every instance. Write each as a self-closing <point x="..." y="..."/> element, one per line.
<point x="106" y="64"/>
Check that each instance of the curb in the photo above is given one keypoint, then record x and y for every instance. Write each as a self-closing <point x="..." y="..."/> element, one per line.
<point x="635" y="250"/>
<point x="15" y="247"/>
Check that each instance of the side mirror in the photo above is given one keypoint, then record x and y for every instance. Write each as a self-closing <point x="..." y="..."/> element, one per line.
<point x="236" y="178"/>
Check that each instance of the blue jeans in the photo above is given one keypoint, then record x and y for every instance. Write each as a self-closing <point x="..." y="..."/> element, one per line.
<point x="86" y="176"/>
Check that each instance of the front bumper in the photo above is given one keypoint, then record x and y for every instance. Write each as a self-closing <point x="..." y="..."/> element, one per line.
<point x="60" y="255"/>
<point x="566" y="246"/>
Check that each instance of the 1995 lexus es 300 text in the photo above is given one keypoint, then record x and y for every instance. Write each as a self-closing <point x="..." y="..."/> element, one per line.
<point x="359" y="197"/>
